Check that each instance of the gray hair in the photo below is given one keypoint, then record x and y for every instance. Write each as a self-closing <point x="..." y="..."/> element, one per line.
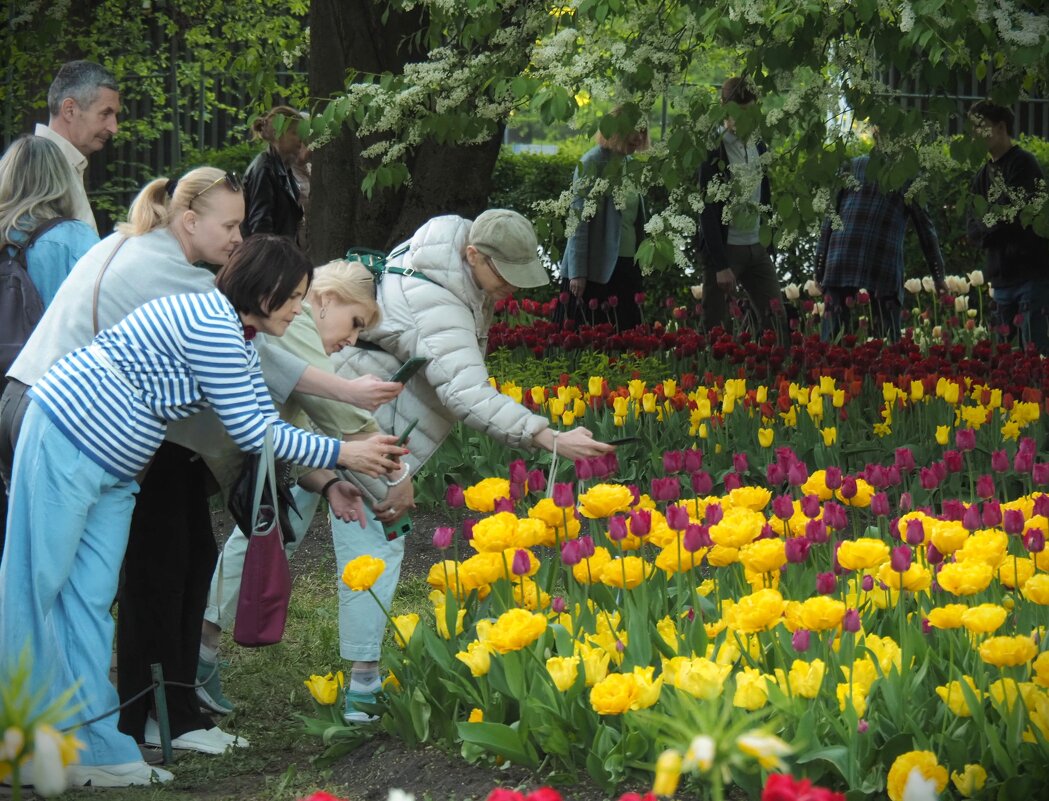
<point x="36" y="185"/>
<point x="81" y="81"/>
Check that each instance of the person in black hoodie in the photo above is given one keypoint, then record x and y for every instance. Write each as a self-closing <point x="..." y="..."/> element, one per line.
<point x="270" y="190"/>
<point x="1017" y="263"/>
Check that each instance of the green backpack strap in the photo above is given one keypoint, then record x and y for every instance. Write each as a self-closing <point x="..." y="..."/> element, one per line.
<point x="378" y="263"/>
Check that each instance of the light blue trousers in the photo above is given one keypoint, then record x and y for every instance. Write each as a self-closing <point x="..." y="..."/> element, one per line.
<point x="67" y="531"/>
<point x="361" y="621"/>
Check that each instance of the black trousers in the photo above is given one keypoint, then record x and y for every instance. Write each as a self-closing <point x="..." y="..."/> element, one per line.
<point x="171" y="556"/>
<point x="625" y="283"/>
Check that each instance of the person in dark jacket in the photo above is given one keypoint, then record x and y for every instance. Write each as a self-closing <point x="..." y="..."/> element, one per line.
<point x="731" y="252"/>
<point x="599" y="269"/>
<point x="270" y="190"/>
<point x="1017" y="264"/>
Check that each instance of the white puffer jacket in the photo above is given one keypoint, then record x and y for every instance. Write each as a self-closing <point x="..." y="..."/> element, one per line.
<point x="447" y="322"/>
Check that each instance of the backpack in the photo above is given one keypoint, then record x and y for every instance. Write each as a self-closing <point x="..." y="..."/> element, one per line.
<point x="378" y="263"/>
<point x="20" y="304"/>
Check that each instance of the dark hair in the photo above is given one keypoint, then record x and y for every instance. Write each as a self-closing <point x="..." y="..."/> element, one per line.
<point x="81" y="81"/>
<point x="262" y="273"/>
<point x="738" y="90"/>
<point x="993" y="113"/>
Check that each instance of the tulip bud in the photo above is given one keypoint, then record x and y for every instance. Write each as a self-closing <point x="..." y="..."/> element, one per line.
<point x="904" y="460"/>
<point x="915" y="532"/>
<point x="713" y="514"/>
<point x="985" y="487"/>
<point x="536" y="481"/>
<point x="848" y="487"/>
<point x="558" y="605"/>
<point x="677" y="517"/>
<point x="867" y="583"/>
<point x="1040" y="473"/>
<point x="442" y="537"/>
<point x="503" y="505"/>
<point x="522" y="562"/>
<point x="617" y="528"/>
<point x="564" y="498"/>
<point x="901" y="558"/>
<point x="739" y="462"/>
<point x="800" y="640"/>
<point x="999" y="461"/>
<point x="696" y="537"/>
<point x="810" y="506"/>
<point x="518" y="472"/>
<point x="971" y="519"/>
<point x="851" y="621"/>
<point x="453" y="496"/>
<point x="1024" y="462"/>
<point x="1034" y="540"/>
<point x="816" y="532"/>
<point x="797" y="474"/>
<point x="693" y="460"/>
<point x="673" y="461"/>
<point x="835" y="516"/>
<point x="880" y="504"/>
<point x="640" y="522"/>
<point x="1041" y="505"/>
<point x="933" y="555"/>
<point x="586" y="546"/>
<point x="991" y="513"/>
<point x="732" y="481"/>
<point x="775" y="474"/>
<point x="783" y="507"/>
<point x="952" y="461"/>
<point x="797" y="549"/>
<point x="953" y="509"/>
<point x="583" y="470"/>
<point x="862" y="726"/>
<point x="826" y="583"/>
<point x="965" y="439"/>
<point x="906" y="502"/>
<point x="517" y="492"/>
<point x="571" y="552"/>
<point x="833" y="478"/>
<point x="702" y="483"/>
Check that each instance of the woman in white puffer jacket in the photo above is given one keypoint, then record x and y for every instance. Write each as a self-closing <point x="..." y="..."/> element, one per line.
<point x="437" y="300"/>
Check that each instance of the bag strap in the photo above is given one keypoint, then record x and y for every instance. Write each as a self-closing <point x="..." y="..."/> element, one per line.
<point x="267" y="470"/>
<point x="98" y="284"/>
<point x="22" y="248"/>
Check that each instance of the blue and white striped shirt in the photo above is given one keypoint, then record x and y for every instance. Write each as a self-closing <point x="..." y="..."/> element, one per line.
<point x="167" y="360"/>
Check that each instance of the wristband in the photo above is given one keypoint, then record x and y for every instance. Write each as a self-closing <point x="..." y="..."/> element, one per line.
<point x="404" y="474"/>
<point x="326" y="487"/>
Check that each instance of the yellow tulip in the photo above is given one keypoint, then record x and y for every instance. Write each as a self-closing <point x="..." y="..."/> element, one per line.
<point x="922" y="761"/>
<point x="765" y="437"/>
<point x="476" y="716"/>
<point x="404" y="628"/>
<point x="563" y="671"/>
<point x="830" y="435"/>
<point x="668" y="773"/>
<point x="361" y="573"/>
<point x="477" y="657"/>
<point x="324" y="689"/>
<point x="595" y="386"/>
<point x="970" y="781"/>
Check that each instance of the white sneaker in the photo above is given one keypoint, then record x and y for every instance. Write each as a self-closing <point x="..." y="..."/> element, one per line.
<point x="204" y="741"/>
<point x="127" y="774"/>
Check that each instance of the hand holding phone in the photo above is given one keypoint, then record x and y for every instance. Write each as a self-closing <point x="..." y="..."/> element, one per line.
<point x="409" y="368"/>
<point x="403" y="438"/>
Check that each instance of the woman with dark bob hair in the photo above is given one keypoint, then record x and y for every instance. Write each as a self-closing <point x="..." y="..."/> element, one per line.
<point x="94" y="421"/>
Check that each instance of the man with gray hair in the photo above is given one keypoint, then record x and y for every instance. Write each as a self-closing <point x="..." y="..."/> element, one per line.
<point x="84" y="102"/>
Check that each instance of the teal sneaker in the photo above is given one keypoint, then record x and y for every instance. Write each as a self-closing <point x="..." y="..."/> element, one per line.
<point x="355" y="713"/>
<point x="209" y="693"/>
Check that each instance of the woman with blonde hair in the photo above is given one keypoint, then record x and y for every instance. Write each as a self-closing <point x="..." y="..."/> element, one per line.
<point x="341" y="304"/>
<point x="271" y="192"/>
<point x="174" y="225"/>
<point x="38" y="218"/>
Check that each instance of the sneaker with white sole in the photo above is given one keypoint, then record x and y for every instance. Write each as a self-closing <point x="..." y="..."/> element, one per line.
<point x="210" y="692"/>
<point x="204" y="741"/>
<point x="127" y="774"/>
<point x="354" y="713"/>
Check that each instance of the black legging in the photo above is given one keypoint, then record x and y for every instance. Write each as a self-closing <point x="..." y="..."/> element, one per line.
<point x="626" y="282"/>
<point x="171" y="556"/>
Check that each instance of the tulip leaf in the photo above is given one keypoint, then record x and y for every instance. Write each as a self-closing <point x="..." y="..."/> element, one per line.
<point x="420" y="716"/>
<point x="501" y="740"/>
<point x="836" y="755"/>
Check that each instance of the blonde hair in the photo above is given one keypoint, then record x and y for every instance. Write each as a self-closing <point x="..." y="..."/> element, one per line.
<point x="161" y="199"/>
<point x="262" y="126"/>
<point x="36" y="185"/>
<point x="349" y="282"/>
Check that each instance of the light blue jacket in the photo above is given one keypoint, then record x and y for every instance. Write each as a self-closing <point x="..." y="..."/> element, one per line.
<point x="593" y="248"/>
<point x="52" y="256"/>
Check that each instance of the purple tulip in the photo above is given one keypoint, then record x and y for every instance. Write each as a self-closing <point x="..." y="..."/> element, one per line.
<point x="522" y="562"/>
<point x="583" y="469"/>
<point x="702" y="483"/>
<point x="783" y="507"/>
<point x="810" y="506"/>
<point x="1041" y="505"/>
<point x="833" y="478"/>
<point x="801" y="640"/>
<point x="1034" y="540"/>
<point x="906" y="502"/>
<point x="696" y="537"/>
<point x="915" y="532"/>
<point x="586" y="546"/>
<point x="892" y="476"/>
<point x="933" y="555"/>
<point x="564" y="497"/>
<point x="927" y="628"/>
<point x="518" y="472"/>
<point x="991" y="513"/>
<point x="677" y="517"/>
<point x="952" y="460"/>
<point x="610" y="462"/>
<point x="999" y="461"/>
<point x="571" y="552"/>
<point x="640" y="522"/>
<point x="816" y="532"/>
<point x="1023" y="462"/>
<point x="442" y="537"/>
<point x="617" y="528"/>
<point x="965" y="439"/>
<point x="826" y="583"/>
<point x="848" y="487"/>
<point x="797" y="549"/>
<point x="862" y="726"/>
<point x="1040" y="473"/>
<point x="797" y="474"/>
<point x="635" y="494"/>
<point x="732" y="481"/>
<point x="880" y="504"/>
<point x="928" y="479"/>
<point x="673" y="461"/>
<point x="517" y="492"/>
<point x="666" y="489"/>
<point x="901" y="558"/>
<point x="867" y="583"/>
<point x="558" y="605"/>
<point x="713" y="514"/>
<point x="851" y="621"/>
<point x="693" y="460"/>
<point x="503" y="505"/>
<point x="972" y="519"/>
<point x="775" y="474"/>
<point x="536" y="481"/>
<point x="835" y="516"/>
<point x="904" y="460"/>
<point x="468" y="529"/>
<point x="953" y="509"/>
<point x="453" y="496"/>
<point x="739" y="462"/>
<point x="985" y="487"/>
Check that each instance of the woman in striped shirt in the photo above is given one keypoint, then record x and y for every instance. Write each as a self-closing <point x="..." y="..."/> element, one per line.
<point x="94" y="422"/>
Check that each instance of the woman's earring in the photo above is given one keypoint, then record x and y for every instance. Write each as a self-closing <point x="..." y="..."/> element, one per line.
<point x="324" y="310"/>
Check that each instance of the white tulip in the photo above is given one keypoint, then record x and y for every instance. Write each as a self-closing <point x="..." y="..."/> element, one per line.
<point x="927" y="284"/>
<point x="11" y="745"/>
<point x="700" y="754"/>
<point x="812" y="289"/>
<point x="918" y="788"/>
<point x="913" y="285"/>
<point x="47" y="774"/>
<point x="697" y="291"/>
<point x="990" y="291"/>
<point x="976" y="278"/>
<point x="971" y="312"/>
<point x="951" y="282"/>
<point x="818" y="309"/>
<point x="961" y="303"/>
<point x="792" y="292"/>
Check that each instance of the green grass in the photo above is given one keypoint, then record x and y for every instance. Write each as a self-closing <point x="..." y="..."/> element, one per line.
<point x="267" y="686"/>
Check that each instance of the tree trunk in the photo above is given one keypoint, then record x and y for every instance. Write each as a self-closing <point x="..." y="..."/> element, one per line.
<point x="351" y="35"/>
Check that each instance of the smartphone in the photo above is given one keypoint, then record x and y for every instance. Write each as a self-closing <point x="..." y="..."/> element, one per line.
<point x="398" y="528"/>
<point x="409" y="368"/>
<point x="403" y="438"/>
<point x="623" y="440"/>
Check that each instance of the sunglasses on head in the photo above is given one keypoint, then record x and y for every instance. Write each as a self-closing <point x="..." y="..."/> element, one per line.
<point x="233" y="184"/>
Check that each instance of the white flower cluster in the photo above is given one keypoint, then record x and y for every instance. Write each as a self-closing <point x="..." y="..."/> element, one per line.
<point x="906" y="17"/>
<point x="1020" y="27"/>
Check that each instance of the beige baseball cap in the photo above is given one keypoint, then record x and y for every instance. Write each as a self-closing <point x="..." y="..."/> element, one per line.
<point x="508" y="239"/>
